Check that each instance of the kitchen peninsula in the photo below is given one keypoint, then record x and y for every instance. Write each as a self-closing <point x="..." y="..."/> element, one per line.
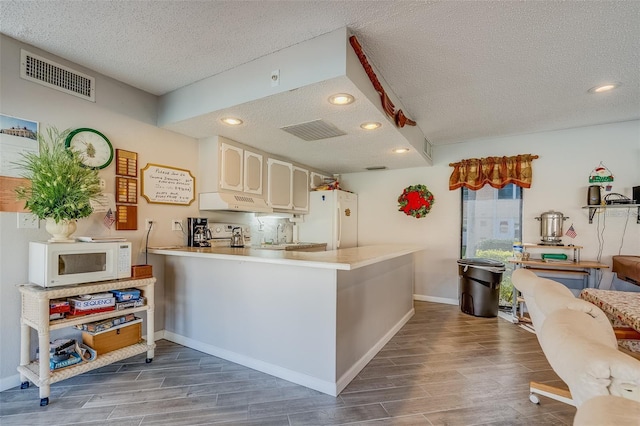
<point x="313" y="318"/>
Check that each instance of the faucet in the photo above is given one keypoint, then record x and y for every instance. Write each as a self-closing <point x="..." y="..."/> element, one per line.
<point x="277" y="232"/>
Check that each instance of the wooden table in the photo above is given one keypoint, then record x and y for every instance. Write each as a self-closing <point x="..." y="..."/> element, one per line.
<point x="622" y="308"/>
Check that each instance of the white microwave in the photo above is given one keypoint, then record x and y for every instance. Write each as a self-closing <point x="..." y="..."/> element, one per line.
<point x="58" y="264"/>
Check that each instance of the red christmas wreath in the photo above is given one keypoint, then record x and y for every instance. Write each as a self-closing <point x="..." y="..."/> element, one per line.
<point x="416" y="201"/>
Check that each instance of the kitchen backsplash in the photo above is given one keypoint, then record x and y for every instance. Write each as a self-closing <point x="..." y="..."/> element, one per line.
<point x="271" y="231"/>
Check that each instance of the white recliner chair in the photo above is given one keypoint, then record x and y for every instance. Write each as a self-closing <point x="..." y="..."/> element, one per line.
<point x="527" y="282"/>
<point x="608" y="410"/>
<point x="581" y="353"/>
<point x="604" y="382"/>
<point x="598" y="368"/>
<point x="544" y="296"/>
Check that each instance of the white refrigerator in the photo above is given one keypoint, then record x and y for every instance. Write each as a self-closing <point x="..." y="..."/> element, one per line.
<point x="332" y="218"/>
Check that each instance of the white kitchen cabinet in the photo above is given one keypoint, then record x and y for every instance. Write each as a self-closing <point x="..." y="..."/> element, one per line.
<point x="300" y="189"/>
<point x="240" y="169"/>
<point x="279" y="184"/>
<point x="231" y="167"/>
<point x="317" y="180"/>
<point x="252" y="173"/>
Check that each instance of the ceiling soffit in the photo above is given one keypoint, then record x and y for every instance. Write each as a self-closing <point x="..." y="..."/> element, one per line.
<point x="310" y="72"/>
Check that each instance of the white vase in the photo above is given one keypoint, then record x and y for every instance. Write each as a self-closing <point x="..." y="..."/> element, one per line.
<point x="61" y="230"/>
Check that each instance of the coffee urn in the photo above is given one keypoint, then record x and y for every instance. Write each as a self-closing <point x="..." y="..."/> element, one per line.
<point x="551" y="223"/>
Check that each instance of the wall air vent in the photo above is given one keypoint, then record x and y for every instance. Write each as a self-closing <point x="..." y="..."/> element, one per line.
<point x="314" y="130"/>
<point x="48" y="73"/>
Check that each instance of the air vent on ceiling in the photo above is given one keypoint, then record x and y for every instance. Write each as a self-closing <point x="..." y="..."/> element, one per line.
<point x="48" y="73"/>
<point x="371" y="168"/>
<point x="314" y="130"/>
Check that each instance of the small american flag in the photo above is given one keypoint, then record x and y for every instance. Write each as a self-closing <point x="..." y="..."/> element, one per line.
<point x="571" y="232"/>
<point x="109" y="219"/>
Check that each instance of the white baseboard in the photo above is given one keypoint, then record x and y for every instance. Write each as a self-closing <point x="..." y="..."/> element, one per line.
<point x="444" y="300"/>
<point x="156" y="336"/>
<point x="352" y="372"/>
<point x="9" y="382"/>
<point x="275" y="370"/>
<point x="323" y="386"/>
<point x="507" y="316"/>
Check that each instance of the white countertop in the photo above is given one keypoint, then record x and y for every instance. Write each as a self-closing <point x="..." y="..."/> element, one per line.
<point x="343" y="259"/>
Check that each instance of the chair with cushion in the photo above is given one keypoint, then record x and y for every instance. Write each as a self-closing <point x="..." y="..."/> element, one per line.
<point x="584" y="354"/>
<point x="543" y="297"/>
<point x="608" y="410"/>
<point x="527" y="283"/>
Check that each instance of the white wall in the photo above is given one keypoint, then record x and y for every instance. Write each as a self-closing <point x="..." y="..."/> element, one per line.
<point x="127" y="117"/>
<point x="560" y="181"/>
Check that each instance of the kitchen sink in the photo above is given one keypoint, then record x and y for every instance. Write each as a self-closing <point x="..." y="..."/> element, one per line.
<point x="270" y="247"/>
<point x="299" y="246"/>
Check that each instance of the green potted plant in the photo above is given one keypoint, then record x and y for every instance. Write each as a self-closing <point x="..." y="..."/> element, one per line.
<point x="61" y="187"/>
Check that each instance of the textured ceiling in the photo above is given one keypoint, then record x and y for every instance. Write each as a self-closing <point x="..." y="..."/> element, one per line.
<point x="463" y="70"/>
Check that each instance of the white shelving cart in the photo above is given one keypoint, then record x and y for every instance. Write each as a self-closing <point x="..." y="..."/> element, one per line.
<point x="35" y="314"/>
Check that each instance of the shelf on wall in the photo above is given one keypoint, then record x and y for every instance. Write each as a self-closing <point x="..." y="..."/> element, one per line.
<point x="593" y="209"/>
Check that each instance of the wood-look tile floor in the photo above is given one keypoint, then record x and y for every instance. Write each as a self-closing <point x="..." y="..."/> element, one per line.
<point x="442" y="368"/>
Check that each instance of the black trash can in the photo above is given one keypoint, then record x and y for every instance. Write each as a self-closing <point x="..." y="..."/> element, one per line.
<point x="480" y="286"/>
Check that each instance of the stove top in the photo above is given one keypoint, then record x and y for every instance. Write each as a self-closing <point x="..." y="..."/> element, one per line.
<point x="221" y="233"/>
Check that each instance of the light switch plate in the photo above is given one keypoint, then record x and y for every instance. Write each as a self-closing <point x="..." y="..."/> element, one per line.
<point x="28" y="221"/>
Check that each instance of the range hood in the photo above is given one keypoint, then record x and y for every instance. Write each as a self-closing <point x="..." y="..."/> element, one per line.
<point x="233" y="202"/>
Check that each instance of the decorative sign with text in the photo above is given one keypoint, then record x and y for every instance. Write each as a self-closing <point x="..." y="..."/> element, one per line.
<point x="167" y="185"/>
<point x="601" y="174"/>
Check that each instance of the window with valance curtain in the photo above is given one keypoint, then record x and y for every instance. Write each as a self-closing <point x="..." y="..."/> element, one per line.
<point x="474" y="173"/>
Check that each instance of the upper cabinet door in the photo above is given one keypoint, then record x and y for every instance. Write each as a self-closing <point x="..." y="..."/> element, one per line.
<point x="252" y="173"/>
<point x="316" y="180"/>
<point x="300" y="196"/>
<point x="280" y="183"/>
<point x="231" y="162"/>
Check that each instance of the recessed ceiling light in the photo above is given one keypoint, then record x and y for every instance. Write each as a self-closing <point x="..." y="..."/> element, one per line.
<point x="371" y="125"/>
<point x="401" y="150"/>
<point x="341" y="99"/>
<point x="604" y="87"/>
<point x="232" y="121"/>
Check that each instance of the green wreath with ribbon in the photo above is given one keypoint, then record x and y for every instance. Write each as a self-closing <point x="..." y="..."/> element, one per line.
<point x="416" y="201"/>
